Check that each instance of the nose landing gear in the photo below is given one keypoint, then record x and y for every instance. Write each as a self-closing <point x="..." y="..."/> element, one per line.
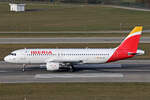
<point x="23" y="68"/>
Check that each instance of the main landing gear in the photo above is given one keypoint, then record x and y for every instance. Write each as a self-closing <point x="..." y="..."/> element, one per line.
<point x="71" y="68"/>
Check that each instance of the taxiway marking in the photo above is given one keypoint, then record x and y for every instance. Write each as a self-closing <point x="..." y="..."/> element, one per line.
<point x="93" y="75"/>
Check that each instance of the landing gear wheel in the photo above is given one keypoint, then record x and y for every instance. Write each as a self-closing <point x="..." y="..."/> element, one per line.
<point x="72" y="69"/>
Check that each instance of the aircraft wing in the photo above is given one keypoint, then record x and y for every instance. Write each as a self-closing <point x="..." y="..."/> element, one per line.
<point x="73" y="62"/>
<point x="65" y="61"/>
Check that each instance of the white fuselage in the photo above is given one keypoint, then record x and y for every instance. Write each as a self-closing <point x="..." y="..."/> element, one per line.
<point x="87" y="55"/>
<point x="56" y="59"/>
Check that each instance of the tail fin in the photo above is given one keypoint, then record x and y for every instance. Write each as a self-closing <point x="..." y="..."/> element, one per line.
<point x="131" y="42"/>
<point x="128" y="48"/>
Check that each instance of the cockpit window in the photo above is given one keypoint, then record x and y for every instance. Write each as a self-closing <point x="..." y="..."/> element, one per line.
<point x="13" y="54"/>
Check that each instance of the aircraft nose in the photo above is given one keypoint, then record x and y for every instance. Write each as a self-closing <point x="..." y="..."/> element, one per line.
<point x="6" y="59"/>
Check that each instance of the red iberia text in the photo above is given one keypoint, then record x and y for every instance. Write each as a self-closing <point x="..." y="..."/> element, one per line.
<point x="41" y="52"/>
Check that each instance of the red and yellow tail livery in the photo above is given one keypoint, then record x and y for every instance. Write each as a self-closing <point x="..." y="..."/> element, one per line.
<point x="128" y="48"/>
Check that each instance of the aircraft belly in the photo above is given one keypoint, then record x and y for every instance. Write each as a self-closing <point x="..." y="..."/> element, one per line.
<point x="35" y="60"/>
<point x="95" y="60"/>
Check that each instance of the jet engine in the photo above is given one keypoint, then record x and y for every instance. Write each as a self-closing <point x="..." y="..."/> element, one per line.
<point x="52" y="66"/>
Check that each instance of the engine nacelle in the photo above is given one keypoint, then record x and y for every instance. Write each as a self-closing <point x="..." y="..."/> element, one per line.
<point x="52" y="66"/>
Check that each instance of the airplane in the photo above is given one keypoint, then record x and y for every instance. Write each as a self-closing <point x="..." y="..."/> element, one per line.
<point x="56" y="59"/>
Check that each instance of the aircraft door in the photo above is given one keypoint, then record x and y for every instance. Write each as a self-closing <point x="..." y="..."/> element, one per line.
<point x="22" y="58"/>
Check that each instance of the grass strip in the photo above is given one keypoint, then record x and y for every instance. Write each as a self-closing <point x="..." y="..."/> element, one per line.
<point x="75" y="91"/>
<point x="63" y="17"/>
<point x="45" y="35"/>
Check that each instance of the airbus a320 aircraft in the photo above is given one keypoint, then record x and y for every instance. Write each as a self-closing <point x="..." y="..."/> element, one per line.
<point x="56" y="59"/>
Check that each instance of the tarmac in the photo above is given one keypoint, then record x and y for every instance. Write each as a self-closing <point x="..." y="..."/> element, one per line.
<point x="122" y="71"/>
<point x="67" y="40"/>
